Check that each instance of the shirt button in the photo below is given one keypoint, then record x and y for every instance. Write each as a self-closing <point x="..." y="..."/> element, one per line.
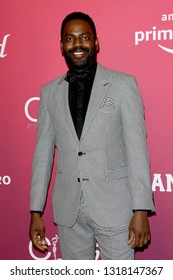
<point x="78" y="179"/>
<point x="80" y="154"/>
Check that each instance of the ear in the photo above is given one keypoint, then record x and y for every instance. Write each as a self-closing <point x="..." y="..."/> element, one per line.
<point x="61" y="47"/>
<point x="97" y="45"/>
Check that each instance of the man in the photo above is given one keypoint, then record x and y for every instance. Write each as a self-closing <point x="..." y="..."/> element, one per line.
<point x="94" y="116"/>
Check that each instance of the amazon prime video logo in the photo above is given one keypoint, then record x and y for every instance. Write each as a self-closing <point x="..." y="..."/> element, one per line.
<point x="159" y="35"/>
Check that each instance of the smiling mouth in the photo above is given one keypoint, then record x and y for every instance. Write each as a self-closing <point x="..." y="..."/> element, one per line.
<point x="79" y="54"/>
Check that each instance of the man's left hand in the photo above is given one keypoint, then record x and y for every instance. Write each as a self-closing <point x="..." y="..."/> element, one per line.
<point x="139" y="230"/>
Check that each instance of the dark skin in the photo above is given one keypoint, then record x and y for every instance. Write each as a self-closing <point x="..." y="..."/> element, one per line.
<point x="79" y="48"/>
<point x="78" y="45"/>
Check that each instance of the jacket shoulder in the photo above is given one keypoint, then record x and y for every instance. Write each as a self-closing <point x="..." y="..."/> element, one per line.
<point x="50" y="86"/>
<point x="118" y="74"/>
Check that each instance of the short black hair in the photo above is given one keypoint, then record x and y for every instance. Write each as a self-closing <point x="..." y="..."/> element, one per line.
<point x="78" y="15"/>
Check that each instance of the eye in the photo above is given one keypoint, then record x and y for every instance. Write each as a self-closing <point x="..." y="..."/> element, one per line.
<point x="69" y="39"/>
<point x="85" y="37"/>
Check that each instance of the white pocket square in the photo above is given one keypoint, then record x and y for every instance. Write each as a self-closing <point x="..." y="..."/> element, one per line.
<point x="108" y="101"/>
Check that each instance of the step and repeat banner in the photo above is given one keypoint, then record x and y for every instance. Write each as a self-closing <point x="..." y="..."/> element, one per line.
<point x="136" y="37"/>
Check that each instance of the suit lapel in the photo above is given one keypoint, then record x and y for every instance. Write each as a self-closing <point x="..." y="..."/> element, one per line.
<point x="61" y="95"/>
<point x="100" y="86"/>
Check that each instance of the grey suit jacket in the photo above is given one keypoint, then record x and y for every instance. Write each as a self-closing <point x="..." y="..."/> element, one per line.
<point x="110" y="163"/>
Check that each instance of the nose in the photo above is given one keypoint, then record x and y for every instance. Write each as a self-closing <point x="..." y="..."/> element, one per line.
<point x="77" y="42"/>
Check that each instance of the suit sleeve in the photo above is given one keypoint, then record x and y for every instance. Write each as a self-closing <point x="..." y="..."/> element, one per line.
<point x="43" y="158"/>
<point x="132" y="115"/>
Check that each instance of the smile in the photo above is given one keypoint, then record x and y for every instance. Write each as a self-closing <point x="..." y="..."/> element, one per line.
<point x="81" y="52"/>
<point x="78" y="53"/>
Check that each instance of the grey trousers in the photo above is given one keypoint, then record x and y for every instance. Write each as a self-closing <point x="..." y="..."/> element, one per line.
<point x="79" y="241"/>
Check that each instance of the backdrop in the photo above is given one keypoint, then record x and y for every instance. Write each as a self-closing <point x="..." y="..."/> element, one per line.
<point x="136" y="37"/>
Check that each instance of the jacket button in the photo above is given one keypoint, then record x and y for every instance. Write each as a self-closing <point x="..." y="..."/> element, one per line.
<point x="80" y="154"/>
<point x="78" y="179"/>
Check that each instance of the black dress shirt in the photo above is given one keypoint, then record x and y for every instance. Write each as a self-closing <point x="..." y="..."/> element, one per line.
<point x="80" y="86"/>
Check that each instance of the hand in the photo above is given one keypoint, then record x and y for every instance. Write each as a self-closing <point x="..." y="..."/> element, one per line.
<point x="139" y="230"/>
<point x="37" y="232"/>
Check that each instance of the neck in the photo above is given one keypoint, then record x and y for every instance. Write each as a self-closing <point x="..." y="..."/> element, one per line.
<point x="79" y="71"/>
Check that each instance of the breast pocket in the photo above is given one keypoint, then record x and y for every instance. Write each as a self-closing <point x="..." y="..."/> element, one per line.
<point x="106" y="109"/>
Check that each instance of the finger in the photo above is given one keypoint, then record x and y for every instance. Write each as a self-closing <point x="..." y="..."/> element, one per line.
<point x="136" y="241"/>
<point x="38" y="242"/>
<point x="42" y="240"/>
<point x="147" y="239"/>
<point x="144" y="239"/>
<point x="131" y="237"/>
<point x="132" y="244"/>
<point x="33" y="237"/>
<point x="41" y="233"/>
<point x="41" y="243"/>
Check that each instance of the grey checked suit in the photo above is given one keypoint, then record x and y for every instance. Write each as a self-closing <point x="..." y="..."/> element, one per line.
<point x="110" y="163"/>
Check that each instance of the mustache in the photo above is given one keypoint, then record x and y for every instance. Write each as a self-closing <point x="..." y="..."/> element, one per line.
<point x="78" y="49"/>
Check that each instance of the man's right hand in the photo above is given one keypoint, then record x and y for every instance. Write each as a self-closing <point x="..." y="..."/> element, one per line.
<point x="37" y="231"/>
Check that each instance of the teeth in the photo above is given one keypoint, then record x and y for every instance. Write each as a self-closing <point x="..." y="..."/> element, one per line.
<point x="78" y="52"/>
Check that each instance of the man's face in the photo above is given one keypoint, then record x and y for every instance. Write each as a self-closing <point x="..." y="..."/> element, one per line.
<point x="78" y="44"/>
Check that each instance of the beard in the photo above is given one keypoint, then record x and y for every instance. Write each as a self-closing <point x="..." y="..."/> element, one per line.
<point x="80" y="64"/>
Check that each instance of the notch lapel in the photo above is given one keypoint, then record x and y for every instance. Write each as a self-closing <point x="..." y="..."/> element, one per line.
<point x="100" y="86"/>
<point x="61" y="96"/>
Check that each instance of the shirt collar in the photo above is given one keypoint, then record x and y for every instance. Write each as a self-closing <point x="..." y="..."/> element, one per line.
<point x="87" y="74"/>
